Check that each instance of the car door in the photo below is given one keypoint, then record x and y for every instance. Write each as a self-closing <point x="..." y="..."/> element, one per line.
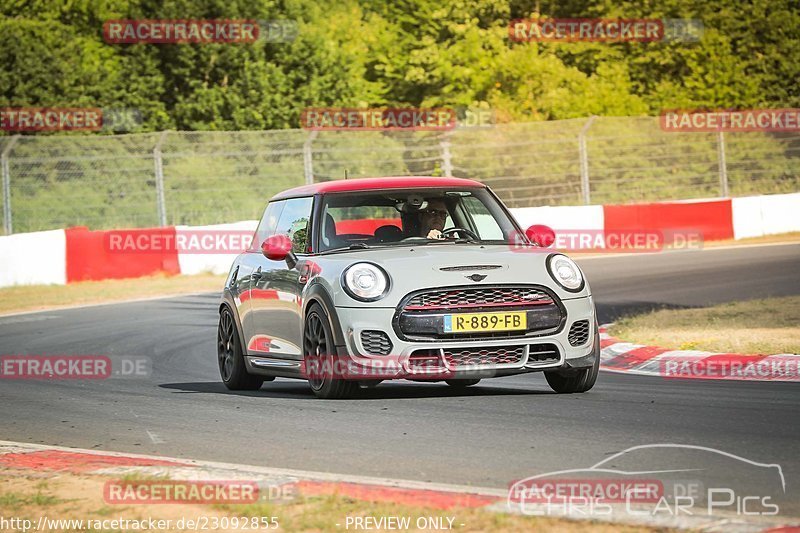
<point x="273" y="326"/>
<point x="248" y="262"/>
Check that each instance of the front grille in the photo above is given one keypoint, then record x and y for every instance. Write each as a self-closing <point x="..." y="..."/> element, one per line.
<point x="478" y="297"/>
<point x="422" y="315"/>
<point x="579" y="333"/>
<point x="376" y="342"/>
<point x="500" y="355"/>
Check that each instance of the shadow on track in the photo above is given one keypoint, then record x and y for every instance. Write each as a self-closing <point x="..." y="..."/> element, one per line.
<point x="403" y="390"/>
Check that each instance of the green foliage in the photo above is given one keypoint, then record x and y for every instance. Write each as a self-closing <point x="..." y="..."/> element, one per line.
<point x="403" y="53"/>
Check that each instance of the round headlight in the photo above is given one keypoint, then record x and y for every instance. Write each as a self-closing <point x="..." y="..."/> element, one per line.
<point x="565" y="272"/>
<point x="365" y="281"/>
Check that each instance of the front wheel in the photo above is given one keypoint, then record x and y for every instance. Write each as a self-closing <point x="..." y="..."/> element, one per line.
<point x="320" y="358"/>
<point x="232" y="369"/>
<point x="572" y="381"/>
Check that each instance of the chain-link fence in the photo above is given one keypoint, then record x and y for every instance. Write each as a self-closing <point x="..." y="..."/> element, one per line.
<point x="195" y="178"/>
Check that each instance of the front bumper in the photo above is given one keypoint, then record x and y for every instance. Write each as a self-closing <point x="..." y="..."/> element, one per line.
<point x="399" y="363"/>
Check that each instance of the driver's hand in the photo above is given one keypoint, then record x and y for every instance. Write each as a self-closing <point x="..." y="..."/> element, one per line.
<point x="435" y="234"/>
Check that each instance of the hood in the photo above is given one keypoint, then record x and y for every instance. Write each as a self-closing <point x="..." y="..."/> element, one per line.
<point x="442" y="265"/>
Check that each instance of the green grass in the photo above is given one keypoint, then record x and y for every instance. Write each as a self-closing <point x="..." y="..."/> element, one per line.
<point x="322" y="513"/>
<point x="767" y="326"/>
<point x="39" y="498"/>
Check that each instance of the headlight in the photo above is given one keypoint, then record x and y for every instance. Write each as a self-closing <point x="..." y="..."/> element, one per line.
<point x="565" y="272"/>
<point x="365" y="281"/>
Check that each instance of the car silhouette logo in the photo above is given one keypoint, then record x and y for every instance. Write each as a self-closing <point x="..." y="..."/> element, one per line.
<point x="476" y="277"/>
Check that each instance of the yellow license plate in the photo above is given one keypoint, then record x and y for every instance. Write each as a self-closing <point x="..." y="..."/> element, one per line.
<point x="472" y="322"/>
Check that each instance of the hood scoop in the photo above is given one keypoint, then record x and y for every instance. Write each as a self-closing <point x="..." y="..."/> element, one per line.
<point x="470" y="268"/>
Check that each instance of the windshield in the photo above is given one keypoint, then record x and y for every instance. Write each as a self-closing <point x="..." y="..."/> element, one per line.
<point x="412" y="216"/>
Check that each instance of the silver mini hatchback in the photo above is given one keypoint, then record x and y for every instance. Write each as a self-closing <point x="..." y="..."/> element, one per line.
<point x="349" y="283"/>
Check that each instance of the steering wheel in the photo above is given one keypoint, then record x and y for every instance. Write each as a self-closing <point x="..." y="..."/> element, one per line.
<point x="462" y="232"/>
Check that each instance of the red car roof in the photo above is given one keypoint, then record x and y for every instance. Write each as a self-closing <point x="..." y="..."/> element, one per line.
<point x="368" y="184"/>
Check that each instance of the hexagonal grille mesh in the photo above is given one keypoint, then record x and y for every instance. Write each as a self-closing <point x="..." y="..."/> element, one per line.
<point x="477" y="297"/>
<point x="376" y="342"/>
<point x="496" y="355"/>
<point x="579" y="333"/>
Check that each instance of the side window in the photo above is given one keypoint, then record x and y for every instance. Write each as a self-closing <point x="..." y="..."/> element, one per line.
<point x="268" y="224"/>
<point x="293" y="222"/>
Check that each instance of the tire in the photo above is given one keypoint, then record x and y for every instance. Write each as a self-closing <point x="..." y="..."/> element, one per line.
<point x="319" y="352"/>
<point x="462" y="383"/>
<point x="230" y="358"/>
<point x="572" y="381"/>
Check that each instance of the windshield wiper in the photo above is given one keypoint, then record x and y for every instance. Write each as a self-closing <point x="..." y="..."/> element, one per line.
<point x="358" y="246"/>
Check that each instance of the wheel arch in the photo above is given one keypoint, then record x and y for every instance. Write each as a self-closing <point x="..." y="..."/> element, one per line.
<point x="227" y="302"/>
<point x="318" y="294"/>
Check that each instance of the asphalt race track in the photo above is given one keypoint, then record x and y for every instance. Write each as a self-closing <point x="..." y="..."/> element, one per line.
<point x="502" y="430"/>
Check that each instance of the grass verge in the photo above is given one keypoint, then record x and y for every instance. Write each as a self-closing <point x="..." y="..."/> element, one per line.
<point x="793" y="236"/>
<point x="36" y="297"/>
<point x="767" y="326"/>
<point x="63" y="496"/>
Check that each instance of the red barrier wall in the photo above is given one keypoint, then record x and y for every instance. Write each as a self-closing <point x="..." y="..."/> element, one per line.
<point x="712" y="218"/>
<point x="89" y="256"/>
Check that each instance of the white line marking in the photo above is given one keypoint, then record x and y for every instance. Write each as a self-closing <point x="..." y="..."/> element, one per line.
<point x="155" y="438"/>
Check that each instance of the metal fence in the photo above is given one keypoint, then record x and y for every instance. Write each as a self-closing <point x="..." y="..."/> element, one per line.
<point x="152" y="179"/>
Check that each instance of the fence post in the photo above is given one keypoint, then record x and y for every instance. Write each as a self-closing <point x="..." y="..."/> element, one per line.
<point x="7" y="185"/>
<point x="159" y="169"/>
<point x="308" y="161"/>
<point x="584" y="161"/>
<point x="447" y="158"/>
<point x="723" y="165"/>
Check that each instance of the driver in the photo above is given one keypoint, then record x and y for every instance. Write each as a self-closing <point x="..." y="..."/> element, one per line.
<point x="432" y="219"/>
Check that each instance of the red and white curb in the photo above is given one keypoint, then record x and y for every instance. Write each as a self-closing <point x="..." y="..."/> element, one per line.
<point x="44" y="459"/>
<point x="628" y="358"/>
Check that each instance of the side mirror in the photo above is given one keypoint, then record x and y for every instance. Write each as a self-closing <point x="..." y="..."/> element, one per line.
<point x="276" y="247"/>
<point x="540" y="234"/>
